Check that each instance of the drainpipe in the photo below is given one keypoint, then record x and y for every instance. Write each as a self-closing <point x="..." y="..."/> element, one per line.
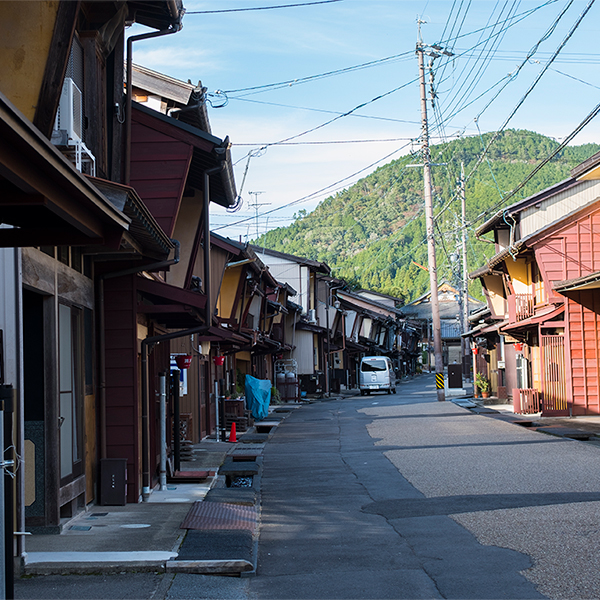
<point x="163" y="432"/>
<point x="206" y="216"/>
<point x="146" y="343"/>
<point x="101" y="310"/>
<point x="128" y="99"/>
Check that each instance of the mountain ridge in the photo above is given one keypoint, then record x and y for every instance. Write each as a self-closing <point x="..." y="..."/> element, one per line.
<point x="372" y="234"/>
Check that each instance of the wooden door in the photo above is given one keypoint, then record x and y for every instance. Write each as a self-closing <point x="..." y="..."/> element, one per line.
<point x="554" y="389"/>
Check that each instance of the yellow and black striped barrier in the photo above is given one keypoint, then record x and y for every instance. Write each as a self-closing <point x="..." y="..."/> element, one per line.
<point x="439" y="380"/>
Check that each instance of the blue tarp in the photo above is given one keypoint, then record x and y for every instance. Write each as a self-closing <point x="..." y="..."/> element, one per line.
<point x="258" y="396"/>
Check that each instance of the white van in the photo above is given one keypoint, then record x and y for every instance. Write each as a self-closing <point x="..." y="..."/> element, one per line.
<point x="376" y="374"/>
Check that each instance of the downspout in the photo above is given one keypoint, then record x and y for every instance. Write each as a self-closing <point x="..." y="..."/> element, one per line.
<point x="128" y="99"/>
<point x="151" y="341"/>
<point x="206" y="216"/>
<point x="102" y="363"/>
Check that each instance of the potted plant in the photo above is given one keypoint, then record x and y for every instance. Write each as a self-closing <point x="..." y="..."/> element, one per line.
<point x="483" y="384"/>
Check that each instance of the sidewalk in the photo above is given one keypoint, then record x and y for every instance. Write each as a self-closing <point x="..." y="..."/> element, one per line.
<point x="221" y="520"/>
<point x="585" y="428"/>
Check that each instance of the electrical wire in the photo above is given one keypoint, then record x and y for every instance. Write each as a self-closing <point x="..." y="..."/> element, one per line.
<point x="325" y="189"/>
<point x="531" y="87"/>
<point x="299" y="80"/>
<point x="322" y="110"/>
<point x="230" y="10"/>
<point x="336" y="118"/>
<point x="534" y="171"/>
<point x="480" y="64"/>
<point x="325" y="142"/>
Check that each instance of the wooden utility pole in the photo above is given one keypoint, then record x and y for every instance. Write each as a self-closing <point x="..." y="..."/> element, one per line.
<point x="433" y="280"/>
<point x="465" y="275"/>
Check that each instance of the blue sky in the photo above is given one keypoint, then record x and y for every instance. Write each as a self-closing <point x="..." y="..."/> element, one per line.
<point x="232" y="51"/>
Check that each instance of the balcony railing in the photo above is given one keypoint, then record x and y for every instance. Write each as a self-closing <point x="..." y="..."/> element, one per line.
<point x="520" y="306"/>
<point x="526" y="401"/>
<point x="524" y="306"/>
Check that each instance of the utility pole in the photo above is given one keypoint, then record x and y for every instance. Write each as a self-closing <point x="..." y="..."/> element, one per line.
<point x="421" y="50"/>
<point x="256" y="206"/>
<point x="465" y="275"/>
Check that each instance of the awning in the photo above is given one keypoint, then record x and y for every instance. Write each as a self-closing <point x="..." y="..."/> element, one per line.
<point x="535" y="320"/>
<point x="171" y="306"/>
<point x="43" y="196"/>
<point x="588" y="282"/>
<point x="144" y="232"/>
<point x="310" y="327"/>
<point x="485" y="328"/>
<point x="355" y="346"/>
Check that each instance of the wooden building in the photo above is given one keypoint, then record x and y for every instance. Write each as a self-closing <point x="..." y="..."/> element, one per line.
<point x="541" y="289"/>
<point x="66" y="211"/>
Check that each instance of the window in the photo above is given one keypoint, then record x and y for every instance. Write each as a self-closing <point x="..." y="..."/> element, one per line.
<point x="538" y="284"/>
<point x="373" y="365"/>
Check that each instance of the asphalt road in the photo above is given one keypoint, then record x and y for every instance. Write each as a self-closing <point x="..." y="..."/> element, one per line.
<point x="401" y="496"/>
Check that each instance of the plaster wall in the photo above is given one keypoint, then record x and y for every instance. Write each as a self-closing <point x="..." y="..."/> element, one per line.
<point x="26" y="30"/>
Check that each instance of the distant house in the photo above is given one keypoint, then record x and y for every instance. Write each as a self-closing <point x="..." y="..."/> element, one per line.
<point x="313" y="296"/>
<point x="418" y="313"/>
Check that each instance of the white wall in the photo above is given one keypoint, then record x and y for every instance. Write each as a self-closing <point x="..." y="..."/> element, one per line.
<point x="304" y="352"/>
<point x="290" y="272"/>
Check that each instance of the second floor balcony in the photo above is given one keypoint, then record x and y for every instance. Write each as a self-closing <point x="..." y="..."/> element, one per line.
<point x="520" y="307"/>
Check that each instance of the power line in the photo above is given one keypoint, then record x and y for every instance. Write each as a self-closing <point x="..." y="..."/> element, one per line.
<point x="326" y="189"/>
<point x="298" y="80"/>
<point x="229" y="10"/>
<point x="324" y="142"/>
<point x="322" y="110"/>
<point x="532" y="86"/>
<point x="528" y="178"/>
<point x="336" y="118"/>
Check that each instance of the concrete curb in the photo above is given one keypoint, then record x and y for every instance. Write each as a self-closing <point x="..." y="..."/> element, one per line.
<point x="85" y="563"/>
<point x="207" y="567"/>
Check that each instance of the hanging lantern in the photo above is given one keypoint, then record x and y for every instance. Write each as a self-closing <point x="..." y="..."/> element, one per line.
<point x="219" y="360"/>
<point x="476" y="350"/>
<point x="183" y="361"/>
<point x="519" y="346"/>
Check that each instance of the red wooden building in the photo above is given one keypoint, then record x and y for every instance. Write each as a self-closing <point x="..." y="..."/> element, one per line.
<point x="542" y="287"/>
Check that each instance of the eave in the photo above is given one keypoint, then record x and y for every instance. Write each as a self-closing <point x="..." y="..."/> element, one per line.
<point x="587" y="282"/>
<point x="319" y="267"/>
<point x="42" y="194"/>
<point x="144" y="229"/>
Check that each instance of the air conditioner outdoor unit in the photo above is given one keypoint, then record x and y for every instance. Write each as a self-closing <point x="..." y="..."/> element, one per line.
<point x="70" y="111"/>
<point x="312" y="316"/>
<point x="68" y="129"/>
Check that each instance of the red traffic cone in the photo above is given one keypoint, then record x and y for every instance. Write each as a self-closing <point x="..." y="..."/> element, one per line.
<point x="232" y="437"/>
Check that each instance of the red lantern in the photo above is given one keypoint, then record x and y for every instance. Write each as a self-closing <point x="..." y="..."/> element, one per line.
<point x="519" y="346"/>
<point x="219" y="360"/>
<point x="183" y="361"/>
<point x="475" y="350"/>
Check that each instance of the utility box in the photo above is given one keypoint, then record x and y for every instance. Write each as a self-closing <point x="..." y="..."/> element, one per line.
<point x="113" y="481"/>
<point x="455" y="376"/>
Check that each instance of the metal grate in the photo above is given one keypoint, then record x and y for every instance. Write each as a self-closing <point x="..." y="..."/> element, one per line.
<point x="218" y="515"/>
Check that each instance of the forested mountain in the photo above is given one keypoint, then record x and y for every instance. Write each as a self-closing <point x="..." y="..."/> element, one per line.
<point x="373" y="233"/>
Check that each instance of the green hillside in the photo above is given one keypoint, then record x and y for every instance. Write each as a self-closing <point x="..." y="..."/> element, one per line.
<point x="373" y="233"/>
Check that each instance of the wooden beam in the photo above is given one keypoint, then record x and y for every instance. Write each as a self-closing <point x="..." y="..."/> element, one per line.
<point x="165" y="308"/>
<point x="24" y="238"/>
<point x="56" y="66"/>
